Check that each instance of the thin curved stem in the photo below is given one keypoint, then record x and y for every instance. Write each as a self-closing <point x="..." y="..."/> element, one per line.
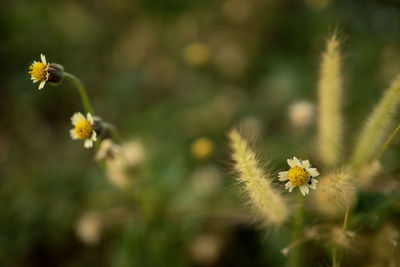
<point x="113" y="131"/>
<point x="82" y="91"/>
<point x="335" y="262"/>
<point x="387" y="143"/>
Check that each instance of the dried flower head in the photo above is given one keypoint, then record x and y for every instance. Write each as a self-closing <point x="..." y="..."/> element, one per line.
<point x="39" y="71"/>
<point x="83" y="129"/>
<point x="335" y="192"/>
<point x="108" y="150"/>
<point x="300" y="174"/>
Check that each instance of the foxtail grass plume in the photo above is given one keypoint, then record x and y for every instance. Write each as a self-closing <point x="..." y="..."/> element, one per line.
<point x="335" y="192"/>
<point x="330" y="126"/>
<point x="377" y="125"/>
<point x="300" y="174"/>
<point x="368" y="171"/>
<point x="267" y="202"/>
<point x="83" y="129"/>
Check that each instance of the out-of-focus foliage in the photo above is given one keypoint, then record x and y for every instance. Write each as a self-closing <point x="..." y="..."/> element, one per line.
<point x="168" y="72"/>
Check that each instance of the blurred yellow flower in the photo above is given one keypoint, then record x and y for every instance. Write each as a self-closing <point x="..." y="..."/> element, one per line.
<point x="83" y="129"/>
<point x="39" y="71"/>
<point x="196" y="54"/>
<point x="202" y="148"/>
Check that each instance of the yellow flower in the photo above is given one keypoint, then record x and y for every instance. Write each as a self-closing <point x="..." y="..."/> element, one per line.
<point x="83" y="129"/>
<point x="300" y="174"/>
<point x="202" y="148"/>
<point x="196" y="54"/>
<point x="39" y="71"/>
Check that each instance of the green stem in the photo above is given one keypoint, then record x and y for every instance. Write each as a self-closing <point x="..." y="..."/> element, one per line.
<point x="81" y="89"/>
<point x="335" y="262"/>
<point x="295" y="256"/>
<point x="334" y="252"/>
<point x="387" y="143"/>
<point x="113" y="131"/>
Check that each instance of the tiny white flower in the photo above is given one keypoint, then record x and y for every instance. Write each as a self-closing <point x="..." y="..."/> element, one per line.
<point x="83" y="129"/>
<point x="300" y="174"/>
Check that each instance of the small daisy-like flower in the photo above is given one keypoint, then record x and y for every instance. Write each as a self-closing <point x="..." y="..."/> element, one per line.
<point x="83" y="129"/>
<point x="300" y="174"/>
<point x="39" y="71"/>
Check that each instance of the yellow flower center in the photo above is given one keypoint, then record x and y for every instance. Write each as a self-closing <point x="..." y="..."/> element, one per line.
<point x="39" y="71"/>
<point x="298" y="176"/>
<point x="83" y="130"/>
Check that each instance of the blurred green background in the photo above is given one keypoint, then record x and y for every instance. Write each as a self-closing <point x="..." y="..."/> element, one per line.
<point x="168" y="72"/>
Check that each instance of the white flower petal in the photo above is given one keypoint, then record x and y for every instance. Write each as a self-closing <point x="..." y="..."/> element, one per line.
<point x="77" y="118"/>
<point x="306" y="164"/>
<point x="41" y="85"/>
<point x="297" y="162"/>
<point x="73" y="134"/>
<point x="290" y="163"/>
<point x="315" y="181"/>
<point x="94" y="135"/>
<point x="88" y="143"/>
<point x="283" y="176"/>
<point x="43" y="58"/>
<point x="89" y="118"/>
<point x="304" y="189"/>
<point x="313" y="172"/>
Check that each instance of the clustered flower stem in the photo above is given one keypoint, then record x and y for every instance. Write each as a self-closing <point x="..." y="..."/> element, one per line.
<point x="295" y="256"/>
<point x="82" y="91"/>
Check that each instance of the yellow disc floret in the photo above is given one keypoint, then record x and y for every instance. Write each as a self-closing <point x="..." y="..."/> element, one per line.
<point x="298" y="176"/>
<point x="39" y="71"/>
<point x="83" y="129"/>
